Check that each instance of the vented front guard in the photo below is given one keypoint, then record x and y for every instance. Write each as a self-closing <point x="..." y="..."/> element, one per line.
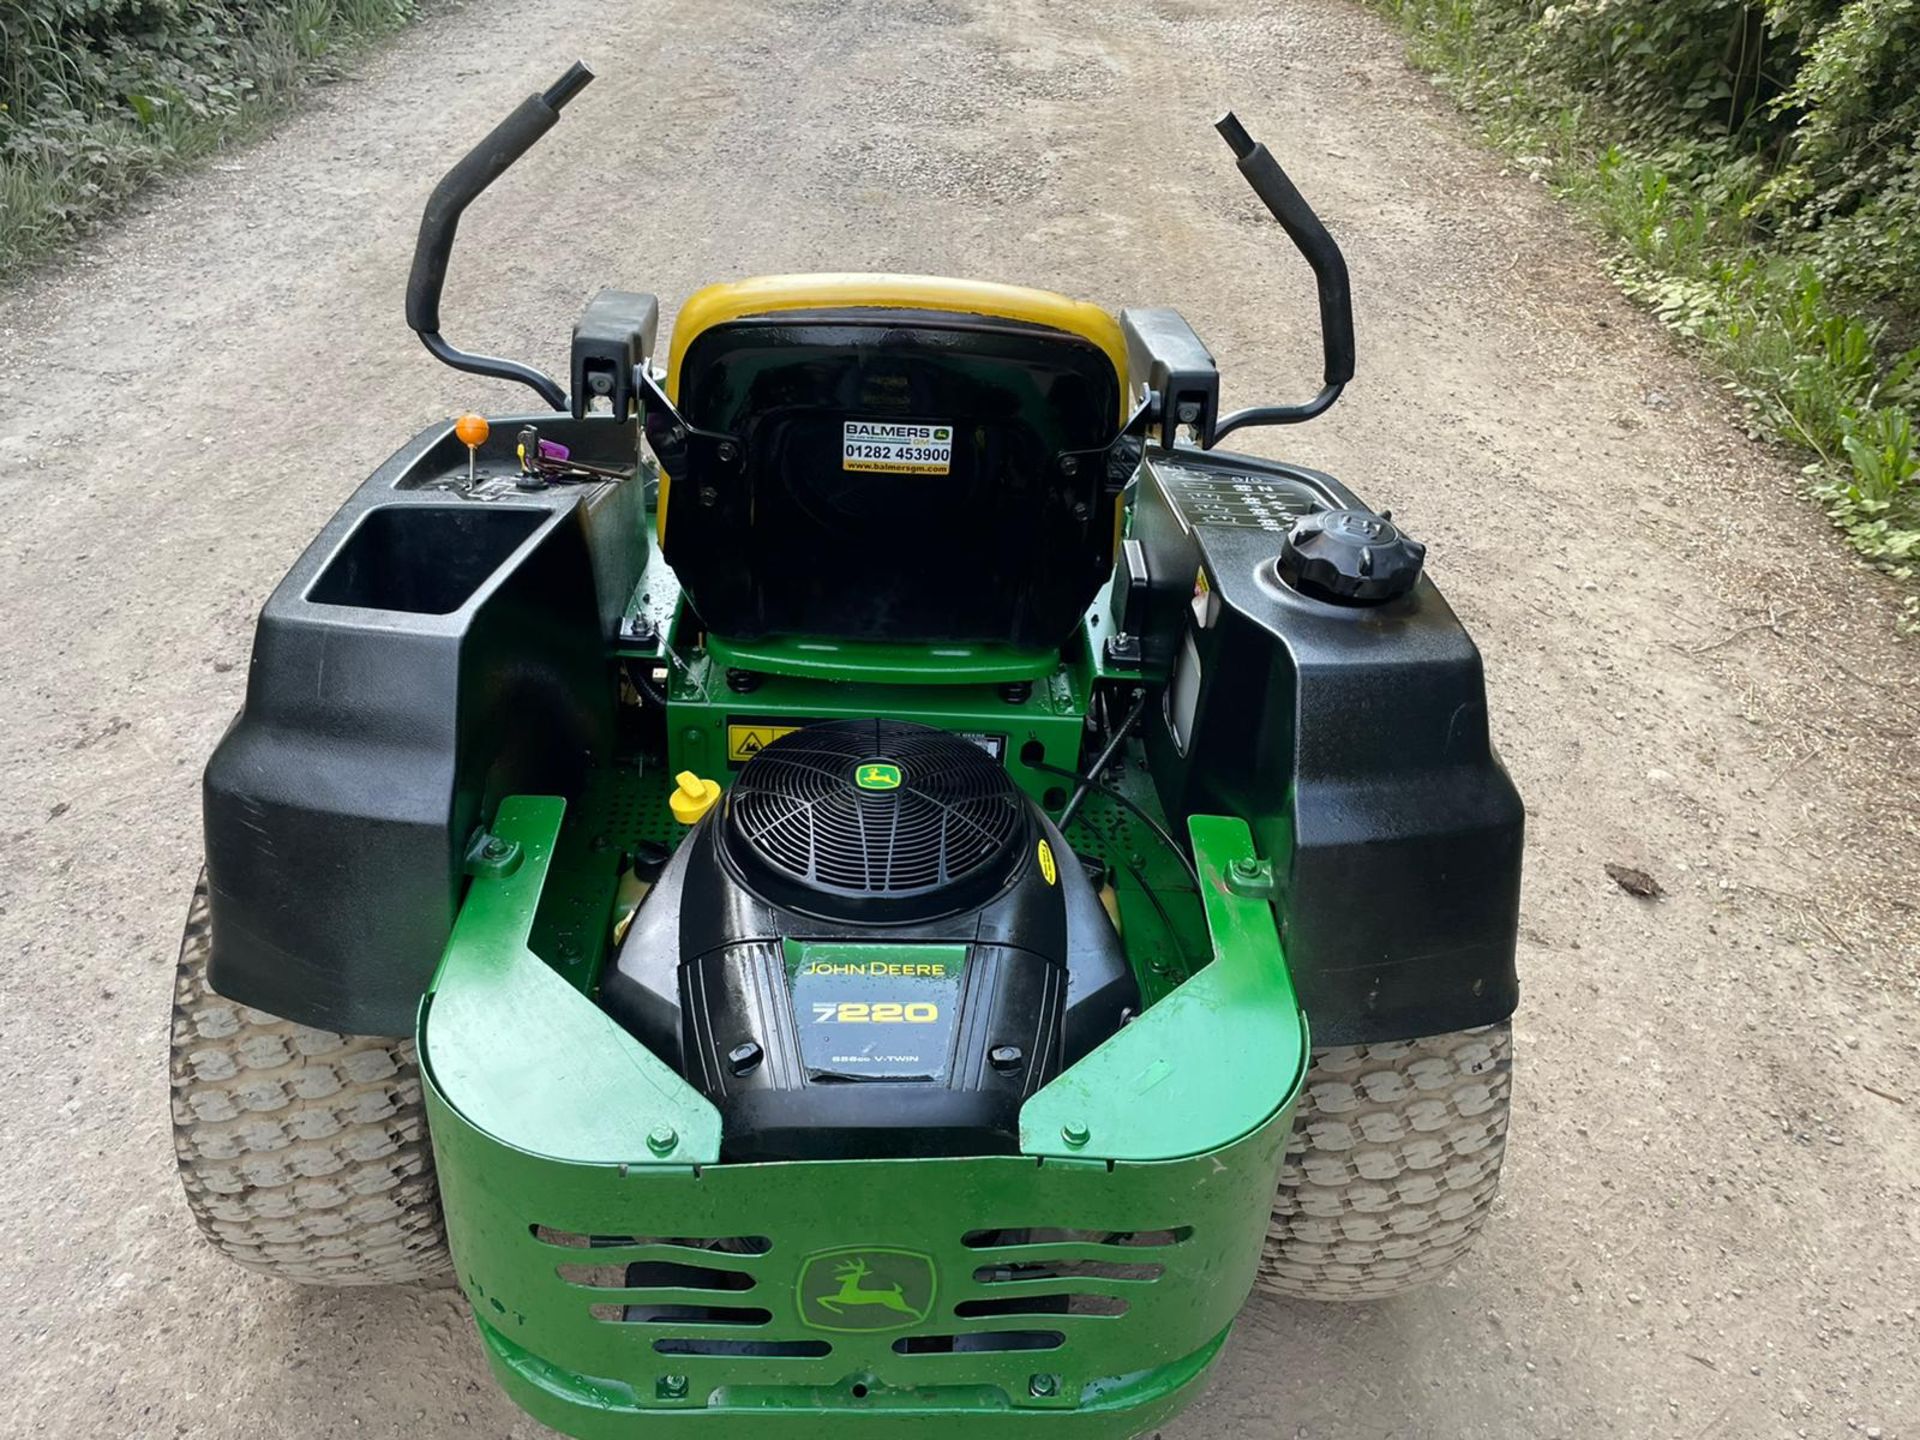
<point x="623" y="1280"/>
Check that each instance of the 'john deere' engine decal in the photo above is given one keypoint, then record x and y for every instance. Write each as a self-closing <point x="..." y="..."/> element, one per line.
<point x="896" y="448"/>
<point x="875" y="1012"/>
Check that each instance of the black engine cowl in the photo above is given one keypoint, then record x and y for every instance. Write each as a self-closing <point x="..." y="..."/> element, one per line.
<point x="875" y="945"/>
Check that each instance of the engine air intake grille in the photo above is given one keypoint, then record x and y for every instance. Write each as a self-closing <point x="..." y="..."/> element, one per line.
<point x="875" y="813"/>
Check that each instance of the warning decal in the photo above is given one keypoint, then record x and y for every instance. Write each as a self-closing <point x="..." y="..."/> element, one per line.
<point x="746" y="741"/>
<point x="895" y="448"/>
<point x="747" y="738"/>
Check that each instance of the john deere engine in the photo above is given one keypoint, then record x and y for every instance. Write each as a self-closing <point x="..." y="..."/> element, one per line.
<point x="874" y="945"/>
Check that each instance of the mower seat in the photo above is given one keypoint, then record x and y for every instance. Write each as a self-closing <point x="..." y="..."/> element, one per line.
<point x="893" y="458"/>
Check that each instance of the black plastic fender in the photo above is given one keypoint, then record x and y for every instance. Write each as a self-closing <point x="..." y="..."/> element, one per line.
<point x="1353" y="738"/>
<point x="428" y="654"/>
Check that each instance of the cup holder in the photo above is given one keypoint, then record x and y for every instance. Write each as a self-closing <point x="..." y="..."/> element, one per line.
<point x="422" y="559"/>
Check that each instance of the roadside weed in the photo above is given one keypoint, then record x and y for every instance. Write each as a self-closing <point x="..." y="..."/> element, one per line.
<point x="1740" y="183"/>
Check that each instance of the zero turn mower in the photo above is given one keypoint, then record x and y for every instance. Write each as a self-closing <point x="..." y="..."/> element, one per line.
<point x="805" y="872"/>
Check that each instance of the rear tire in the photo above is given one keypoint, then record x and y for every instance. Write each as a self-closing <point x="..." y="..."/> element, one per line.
<point x="304" y="1152"/>
<point x="1392" y="1167"/>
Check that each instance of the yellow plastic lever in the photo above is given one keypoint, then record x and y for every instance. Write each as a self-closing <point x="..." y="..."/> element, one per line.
<point x="692" y="797"/>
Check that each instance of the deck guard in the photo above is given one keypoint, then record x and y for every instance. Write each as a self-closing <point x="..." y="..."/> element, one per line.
<point x="623" y="1280"/>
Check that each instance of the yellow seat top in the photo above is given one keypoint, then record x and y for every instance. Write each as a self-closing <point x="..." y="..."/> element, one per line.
<point x="732" y="300"/>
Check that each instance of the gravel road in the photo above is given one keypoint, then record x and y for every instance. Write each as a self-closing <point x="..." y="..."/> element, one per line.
<point x="1709" y="1224"/>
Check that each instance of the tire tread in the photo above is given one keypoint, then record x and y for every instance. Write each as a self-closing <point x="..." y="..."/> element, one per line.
<point x="304" y="1153"/>
<point x="1392" y="1166"/>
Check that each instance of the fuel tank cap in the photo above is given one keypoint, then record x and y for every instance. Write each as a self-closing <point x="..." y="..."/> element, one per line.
<point x="1350" y="557"/>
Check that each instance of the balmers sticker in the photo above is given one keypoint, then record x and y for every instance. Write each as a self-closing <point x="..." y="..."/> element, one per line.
<point x="897" y="449"/>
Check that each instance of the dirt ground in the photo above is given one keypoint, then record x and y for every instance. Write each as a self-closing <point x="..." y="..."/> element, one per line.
<point x="1709" y="1226"/>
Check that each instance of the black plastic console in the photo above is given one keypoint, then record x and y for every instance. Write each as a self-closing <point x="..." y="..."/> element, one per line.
<point x="433" y="650"/>
<point x="1353" y="737"/>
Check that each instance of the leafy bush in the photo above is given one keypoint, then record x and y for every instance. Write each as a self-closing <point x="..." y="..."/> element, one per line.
<point x="1758" y="167"/>
<point x="99" y="96"/>
<point x="1852" y="178"/>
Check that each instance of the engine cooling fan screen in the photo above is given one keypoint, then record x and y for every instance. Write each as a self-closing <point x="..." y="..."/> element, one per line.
<point x="874" y="812"/>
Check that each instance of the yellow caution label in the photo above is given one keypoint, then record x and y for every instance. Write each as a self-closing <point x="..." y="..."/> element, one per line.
<point x="746" y="741"/>
<point x="1047" y="868"/>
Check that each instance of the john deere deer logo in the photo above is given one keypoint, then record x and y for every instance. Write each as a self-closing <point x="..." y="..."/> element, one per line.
<point x="854" y="1289"/>
<point x="850" y="1273"/>
<point x="877" y="775"/>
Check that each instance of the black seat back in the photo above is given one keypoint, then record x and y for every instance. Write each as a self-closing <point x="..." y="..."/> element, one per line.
<point x="904" y="475"/>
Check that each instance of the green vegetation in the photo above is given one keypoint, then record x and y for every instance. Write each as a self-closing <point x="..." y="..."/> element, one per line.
<point x="1757" y="166"/>
<point x="99" y="96"/>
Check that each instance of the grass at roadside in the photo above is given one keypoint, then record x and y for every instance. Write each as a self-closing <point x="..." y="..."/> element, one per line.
<point x="1814" y="372"/>
<point x="100" y="97"/>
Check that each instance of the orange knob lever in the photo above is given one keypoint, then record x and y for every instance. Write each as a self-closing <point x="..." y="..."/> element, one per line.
<point x="472" y="431"/>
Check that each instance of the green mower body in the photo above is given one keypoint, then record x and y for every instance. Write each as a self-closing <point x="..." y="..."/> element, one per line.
<point x="1090" y="1278"/>
<point x="861" y="866"/>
